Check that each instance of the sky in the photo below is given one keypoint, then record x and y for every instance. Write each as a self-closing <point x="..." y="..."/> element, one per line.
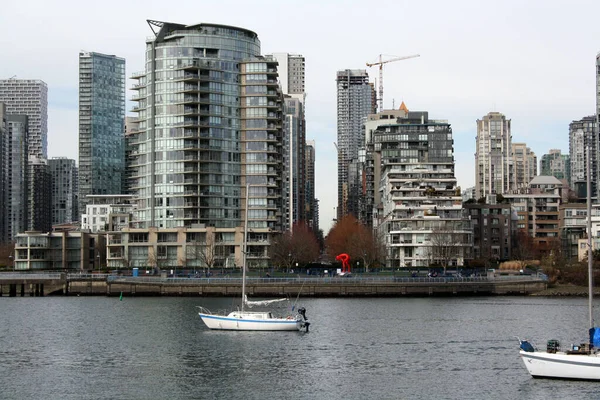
<point x="533" y="61"/>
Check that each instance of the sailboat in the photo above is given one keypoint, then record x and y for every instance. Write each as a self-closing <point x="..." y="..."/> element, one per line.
<point x="243" y="320"/>
<point x="580" y="361"/>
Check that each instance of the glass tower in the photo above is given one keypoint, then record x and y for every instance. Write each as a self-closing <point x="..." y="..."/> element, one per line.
<point x="101" y="125"/>
<point x="209" y="123"/>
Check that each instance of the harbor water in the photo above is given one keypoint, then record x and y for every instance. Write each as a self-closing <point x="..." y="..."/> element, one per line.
<point x="390" y="348"/>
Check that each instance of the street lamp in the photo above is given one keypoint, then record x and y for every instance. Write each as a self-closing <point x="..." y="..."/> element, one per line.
<point x="12" y="262"/>
<point x="98" y="258"/>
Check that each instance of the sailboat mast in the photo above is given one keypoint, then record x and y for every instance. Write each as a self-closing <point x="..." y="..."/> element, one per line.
<point x="589" y="235"/>
<point x="244" y="247"/>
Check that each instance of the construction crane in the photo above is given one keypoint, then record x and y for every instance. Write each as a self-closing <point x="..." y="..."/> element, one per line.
<point x="380" y="63"/>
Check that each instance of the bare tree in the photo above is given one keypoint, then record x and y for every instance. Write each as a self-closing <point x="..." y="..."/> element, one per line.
<point x="444" y="246"/>
<point x="156" y="260"/>
<point x="202" y="249"/>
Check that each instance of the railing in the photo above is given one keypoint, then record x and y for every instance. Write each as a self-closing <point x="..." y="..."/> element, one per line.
<point x="33" y="275"/>
<point x="327" y="279"/>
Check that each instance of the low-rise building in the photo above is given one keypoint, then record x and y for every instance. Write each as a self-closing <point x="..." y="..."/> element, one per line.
<point x="537" y="208"/>
<point x="66" y="250"/>
<point x="107" y="212"/>
<point x="492" y="229"/>
<point x="188" y="248"/>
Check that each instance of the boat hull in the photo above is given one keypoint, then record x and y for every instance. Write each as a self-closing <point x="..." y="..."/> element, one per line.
<point x="237" y="323"/>
<point x="560" y="365"/>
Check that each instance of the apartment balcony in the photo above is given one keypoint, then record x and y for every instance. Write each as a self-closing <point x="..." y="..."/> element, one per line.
<point x="186" y="77"/>
<point x="188" y="88"/>
<point x="138" y="74"/>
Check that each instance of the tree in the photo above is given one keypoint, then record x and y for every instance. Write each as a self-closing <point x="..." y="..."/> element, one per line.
<point x="202" y="249"/>
<point x="444" y="246"/>
<point x="7" y="250"/>
<point x="358" y="241"/>
<point x="298" y="246"/>
<point x="207" y="253"/>
<point x="523" y="246"/>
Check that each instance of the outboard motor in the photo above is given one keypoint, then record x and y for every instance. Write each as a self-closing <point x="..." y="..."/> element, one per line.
<point x="302" y="312"/>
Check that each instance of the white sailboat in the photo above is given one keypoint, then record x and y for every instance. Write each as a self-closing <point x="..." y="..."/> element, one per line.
<point x="578" y="362"/>
<point x="242" y="320"/>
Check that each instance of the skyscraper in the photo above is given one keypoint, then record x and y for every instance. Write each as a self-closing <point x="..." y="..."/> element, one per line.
<point x="4" y="190"/>
<point x="291" y="72"/>
<point x="291" y="77"/>
<point x="309" y="191"/>
<point x="355" y="101"/>
<point x="17" y="175"/>
<point x="293" y="163"/>
<point x="101" y="125"/>
<point x="493" y="167"/>
<point x="30" y="98"/>
<point x="210" y="116"/>
<point x="525" y="165"/>
<point x="582" y="134"/>
<point x="556" y="164"/>
<point x="63" y="182"/>
<point x="597" y="135"/>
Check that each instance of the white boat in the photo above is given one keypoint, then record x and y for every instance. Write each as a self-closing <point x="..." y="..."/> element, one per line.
<point x="577" y="362"/>
<point x="252" y="321"/>
<point x="242" y="320"/>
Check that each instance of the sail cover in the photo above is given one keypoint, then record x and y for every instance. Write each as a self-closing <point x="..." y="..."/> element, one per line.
<point x="595" y="337"/>
<point x="261" y="302"/>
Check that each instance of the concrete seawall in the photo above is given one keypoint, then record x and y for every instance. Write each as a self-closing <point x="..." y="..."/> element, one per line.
<point x="38" y="284"/>
<point x="329" y="287"/>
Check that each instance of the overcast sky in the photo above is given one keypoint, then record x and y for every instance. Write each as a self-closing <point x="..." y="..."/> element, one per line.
<point x="533" y="61"/>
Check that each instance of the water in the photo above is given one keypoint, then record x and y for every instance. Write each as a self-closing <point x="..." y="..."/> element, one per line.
<point x="398" y="348"/>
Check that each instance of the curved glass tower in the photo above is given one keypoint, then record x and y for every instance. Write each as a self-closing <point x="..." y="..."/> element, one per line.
<point x="188" y="154"/>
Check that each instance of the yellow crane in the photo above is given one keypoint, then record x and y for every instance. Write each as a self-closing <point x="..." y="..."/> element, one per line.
<point x="380" y="63"/>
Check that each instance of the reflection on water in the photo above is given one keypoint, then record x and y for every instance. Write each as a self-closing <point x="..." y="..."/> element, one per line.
<point x="150" y="348"/>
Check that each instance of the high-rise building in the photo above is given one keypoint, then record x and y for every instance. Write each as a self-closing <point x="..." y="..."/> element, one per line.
<point x="524" y="164"/>
<point x="293" y="163"/>
<point x="557" y="165"/>
<point x="101" y="125"/>
<point x="421" y="218"/>
<point x="581" y="136"/>
<point x="355" y="101"/>
<point x="63" y="182"/>
<point x="370" y="198"/>
<point x="291" y="73"/>
<point x="291" y="77"/>
<point x="4" y="190"/>
<point x="493" y="166"/>
<point x="596" y="192"/>
<point x="309" y="185"/>
<point x="210" y="122"/>
<point x="131" y="127"/>
<point x="30" y="98"/>
<point x="39" y="195"/>
<point x="17" y="175"/>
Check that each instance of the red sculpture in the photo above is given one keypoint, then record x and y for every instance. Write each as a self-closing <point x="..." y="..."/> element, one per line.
<point x="345" y="259"/>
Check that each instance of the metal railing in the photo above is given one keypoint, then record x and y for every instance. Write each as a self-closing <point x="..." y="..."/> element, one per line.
<point x="326" y="279"/>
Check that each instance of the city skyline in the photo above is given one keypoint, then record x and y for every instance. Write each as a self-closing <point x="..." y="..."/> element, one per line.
<point x="534" y="63"/>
